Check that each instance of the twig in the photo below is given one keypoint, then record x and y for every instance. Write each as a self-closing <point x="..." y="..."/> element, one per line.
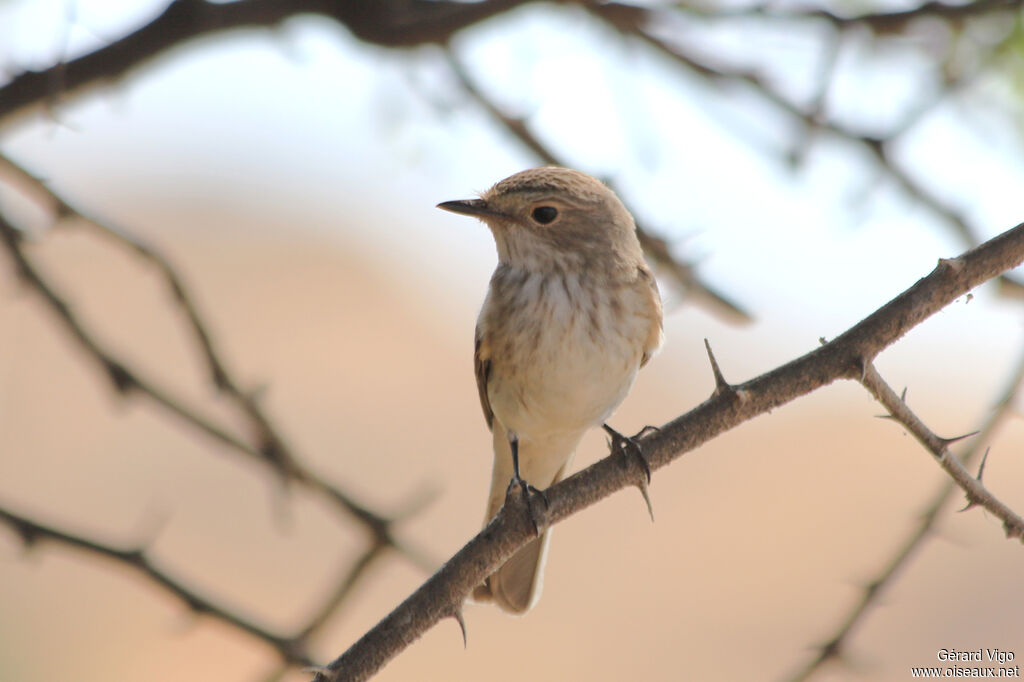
<point x="846" y="357"/>
<point x="289" y="649"/>
<point x="390" y="23"/>
<point x="269" y="442"/>
<point x="834" y="647"/>
<point x="891" y="22"/>
<point x="977" y="493"/>
<point x="634" y="21"/>
<point x="127" y="380"/>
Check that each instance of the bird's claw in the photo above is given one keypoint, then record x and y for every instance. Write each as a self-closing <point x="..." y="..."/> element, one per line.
<point x="538" y="520"/>
<point x="630" y="445"/>
<point x="626" y="446"/>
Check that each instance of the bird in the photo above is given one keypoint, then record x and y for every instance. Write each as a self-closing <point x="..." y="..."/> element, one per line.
<point x="571" y="314"/>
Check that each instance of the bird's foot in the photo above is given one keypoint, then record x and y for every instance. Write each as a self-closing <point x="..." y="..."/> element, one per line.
<point x="529" y="492"/>
<point x="629" y="446"/>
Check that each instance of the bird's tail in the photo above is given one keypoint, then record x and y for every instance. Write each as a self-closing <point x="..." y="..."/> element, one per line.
<point x="516" y="586"/>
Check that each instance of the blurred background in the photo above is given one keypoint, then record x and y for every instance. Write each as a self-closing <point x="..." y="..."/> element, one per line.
<point x="794" y="166"/>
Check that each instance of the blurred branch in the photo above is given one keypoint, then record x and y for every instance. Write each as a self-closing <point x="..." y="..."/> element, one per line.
<point x="893" y="22"/>
<point x="835" y="646"/>
<point x="849" y="356"/>
<point x="269" y="445"/>
<point x="657" y="249"/>
<point x="268" y="449"/>
<point x="390" y="23"/>
<point x="268" y="442"/>
<point x="137" y="558"/>
<point x="127" y="380"/>
<point x="636" y="22"/>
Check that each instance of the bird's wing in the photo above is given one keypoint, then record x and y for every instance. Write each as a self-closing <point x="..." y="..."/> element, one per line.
<point x="482" y="367"/>
<point x="655" y="335"/>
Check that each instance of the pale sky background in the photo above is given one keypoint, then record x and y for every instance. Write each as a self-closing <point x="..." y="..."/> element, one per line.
<point x="289" y="171"/>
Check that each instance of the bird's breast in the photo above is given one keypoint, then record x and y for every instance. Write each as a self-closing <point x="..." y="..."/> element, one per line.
<point x="566" y="349"/>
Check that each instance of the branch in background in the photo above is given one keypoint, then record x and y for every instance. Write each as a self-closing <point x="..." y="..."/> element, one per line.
<point x="268" y="442"/>
<point x="31" y="532"/>
<point x="683" y="274"/>
<point x="128" y="381"/>
<point x="269" y="445"/>
<point x="835" y="646"/>
<point x="636" y="22"/>
<point x="849" y="356"/>
<point x="390" y="23"/>
<point x="406" y="23"/>
<point x="893" y="22"/>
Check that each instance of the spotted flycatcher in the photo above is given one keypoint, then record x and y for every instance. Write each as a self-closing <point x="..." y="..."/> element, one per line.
<point x="571" y="315"/>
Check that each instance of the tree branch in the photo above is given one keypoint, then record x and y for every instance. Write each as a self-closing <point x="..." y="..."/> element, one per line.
<point x="893" y="22"/>
<point x="635" y="21"/>
<point x="269" y="448"/>
<point x="293" y="651"/>
<point x="390" y="23"/>
<point x="977" y="494"/>
<point x="846" y="357"/>
<point x="834" y="647"/>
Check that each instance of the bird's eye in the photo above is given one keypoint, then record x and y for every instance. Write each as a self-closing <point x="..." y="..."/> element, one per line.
<point x="545" y="214"/>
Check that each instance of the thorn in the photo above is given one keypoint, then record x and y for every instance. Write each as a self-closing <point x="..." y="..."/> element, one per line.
<point x="457" y="615"/>
<point x="863" y="363"/>
<point x="642" y="486"/>
<point x="1013" y="531"/>
<point x="981" y="467"/>
<point x="871" y="589"/>
<point x="831" y="650"/>
<point x="29" y="537"/>
<point x="625" y="446"/>
<point x="971" y="504"/>
<point x="721" y="385"/>
<point x="122" y="379"/>
<point x="949" y="441"/>
<point x="903" y="395"/>
<point x="822" y="340"/>
<point x="647" y="430"/>
<point x="319" y="671"/>
<point x="885" y="416"/>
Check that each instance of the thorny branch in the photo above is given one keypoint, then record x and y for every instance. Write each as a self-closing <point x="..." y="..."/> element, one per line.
<point x="833" y="648"/>
<point x="977" y="494"/>
<point x="849" y="356"/>
<point x="292" y="650"/>
<point x="268" y="447"/>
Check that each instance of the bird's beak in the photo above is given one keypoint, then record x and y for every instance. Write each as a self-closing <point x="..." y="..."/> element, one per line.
<point x="473" y="207"/>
